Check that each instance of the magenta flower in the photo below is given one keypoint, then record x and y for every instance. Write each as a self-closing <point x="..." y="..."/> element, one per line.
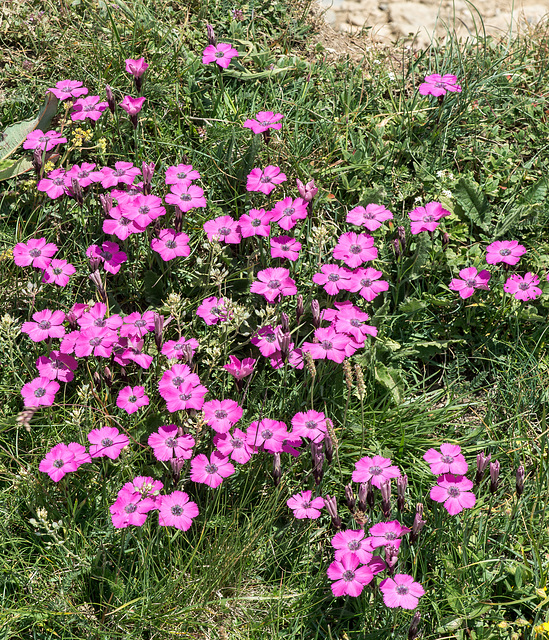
<point x="123" y="172"/>
<point x="37" y="139"/>
<point x="59" y="461"/>
<point x="523" y="288"/>
<point x="334" y="279"/>
<point x="109" y="254"/>
<point x="138" y="325"/>
<point x="469" y="280"/>
<point x="95" y="317"/>
<point x="84" y="174"/>
<point x="305" y="506"/>
<point x="285" y="247"/>
<point x="221" y="415"/>
<point x="350" y="578"/>
<point x="267" y="340"/>
<point x="36" y="253"/>
<point x="387" y="533"/>
<point x="132" y="106"/>
<point x="264" y="120"/>
<point x="176" y="510"/>
<point x="426" y="218"/>
<point x="58" y="272"/>
<point x="370" y="217"/>
<point x="331" y="345"/>
<point x="93" y="340"/>
<point x="221" y="54"/>
<point x="306" y="191"/>
<point x="454" y="492"/>
<point x="81" y="456"/>
<point x="188" y="395"/>
<point x="367" y="283"/>
<point x="143" y="209"/>
<point x="448" y="460"/>
<point x="68" y="89"/>
<point x="186" y="196"/>
<point x="48" y="324"/>
<point x="167" y="444"/>
<point x="401" y="591"/>
<point x="119" y="225"/>
<point x="213" y="310"/>
<point x="274" y="282"/>
<point x="240" y="369"/>
<point x="176" y="348"/>
<point x="376" y="469"/>
<point x="170" y="244"/>
<point x="267" y="433"/>
<point x="181" y="173"/>
<point x="173" y="378"/>
<point x="223" y="229"/>
<point x="255" y="223"/>
<point x="136" y="67"/>
<point x="131" y="398"/>
<point x="211" y="472"/>
<point x="508" y="251"/>
<point x="89" y="107"/>
<point x="57" y="365"/>
<point x="437" y="85"/>
<point x="354" y="249"/>
<point x="54" y="185"/>
<point x="265" y="181"/>
<point x="107" y="442"/>
<point x="352" y="543"/>
<point x="130" y="508"/>
<point x="234" y="445"/>
<point x="352" y="321"/>
<point x="310" y="424"/>
<point x="287" y="212"/>
<point x="145" y="485"/>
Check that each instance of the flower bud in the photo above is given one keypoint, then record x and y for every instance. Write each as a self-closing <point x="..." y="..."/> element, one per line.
<point x="414" y="626"/>
<point x="362" y="494"/>
<point x="308" y="191"/>
<point x="386" y="498"/>
<point x="350" y="498"/>
<point x="76" y="192"/>
<point x="158" y="329"/>
<point x="106" y="202"/>
<point x="318" y="462"/>
<point x="211" y="35"/>
<point x="329" y="448"/>
<point x="277" y="469"/>
<point x="95" y="277"/>
<point x="418" y="524"/>
<point x="315" y="310"/>
<point x="147" y="170"/>
<point x="402" y="484"/>
<point x="177" y="464"/>
<point x="494" y="476"/>
<point x="482" y="463"/>
<point x="37" y="161"/>
<point x="300" y="310"/>
<point x="520" y="481"/>
<point x="331" y="506"/>
<point x="284" y="322"/>
<point x="391" y="558"/>
<point x="110" y="98"/>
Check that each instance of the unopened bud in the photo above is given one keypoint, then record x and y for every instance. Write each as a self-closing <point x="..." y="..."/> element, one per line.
<point x="110" y="98"/>
<point x="307" y="191"/>
<point x="350" y="498"/>
<point x="331" y="506"/>
<point x="107" y="376"/>
<point x="158" y="330"/>
<point x="211" y="35"/>
<point x="300" y="309"/>
<point x="187" y="353"/>
<point x="385" y="489"/>
<point x="95" y="277"/>
<point x="414" y="626"/>
<point x="494" y="476"/>
<point x="362" y="495"/>
<point x="106" y="202"/>
<point x="391" y="558"/>
<point x="76" y="192"/>
<point x="329" y="448"/>
<point x="284" y="340"/>
<point x="520" y="481"/>
<point x="315" y="310"/>
<point x="418" y="524"/>
<point x="402" y="483"/>
<point x="177" y="464"/>
<point x="147" y="170"/>
<point x="482" y="463"/>
<point x="445" y="240"/>
<point x="277" y="469"/>
<point x="318" y="462"/>
<point x="284" y="322"/>
<point x="37" y="160"/>
<point x="396" y="247"/>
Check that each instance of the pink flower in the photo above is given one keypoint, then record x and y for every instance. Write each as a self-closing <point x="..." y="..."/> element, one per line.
<point x="387" y="533"/>
<point x="266" y="180"/>
<point x="305" y="506"/>
<point x="255" y="223"/>
<point x="57" y="365"/>
<point x="81" y="456"/>
<point x="523" y="288"/>
<point x="352" y="321"/>
<point x="93" y="340"/>
<point x="123" y="172"/>
<point x="354" y="249"/>
<point x="145" y="485"/>
<point x="270" y="434"/>
<point x="221" y="54"/>
<point x="132" y="106"/>
<point x="167" y="444"/>
<point x="264" y="120"/>
<point x="68" y="89"/>
<point x="136" y="324"/>
<point x="109" y="254"/>
<point x="173" y="378"/>
<point x="376" y="469"/>
<point x="234" y="445"/>
<point x="176" y="348"/>
<point x="188" y="395"/>
<point x="176" y="510"/>
<point x="401" y="591"/>
<point x="437" y="85"/>
<point x="186" y="196"/>
<point x="48" y="324"/>
<point x="240" y="369"/>
<point x="143" y="209"/>
<point x="131" y="398"/>
<point x="170" y="244"/>
<point x="36" y="252"/>
<point x="221" y="415"/>
<point x="136" y="67"/>
<point x="285" y="247"/>
<point x="59" y="461"/>
<point x="508" y="251"/>
<point x="107" y="442"/>
<point x="37" y="139"/>
<point x="352" y="543"/>
<point x="448" y="460"/>
<point x="367" y="283"/>
<point x="454" y="492"/>
<point x="267" y="341"/>
<point x="274" y="282"/>
<point x="331" y="345"/>
<point x="223" y="229"/>
<point x="181" y="173"/>
<point x="287" y="212"/>
<point x="84" y="174"/>
<point x="89" y="107"/>
<point x="58" y="272"/>
<point x="95" y="317"/>
<point x="334" y="279"/>
<point x="119" y="225"/>
<point x="310" y="424"/>
<point x="470" y="280"/>
<point x="426" y="218"/>
<point x="213" y="471"/>
<point x="213" y="310"/>
<point x="54" y="185"/>
<point x="370" y="217"/>
<point x="307" y="191"/>
<point x="130" y="508"/>
<point x="350" y="578"/>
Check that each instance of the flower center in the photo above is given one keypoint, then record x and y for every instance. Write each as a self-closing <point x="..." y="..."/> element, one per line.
<point x="140" y="323"/>
<point x="353" y="545"/>
<point x="57" y="271"/>
<point x="267" y="434"/>
<point x="428" y="218"/>
<point x="375" y="471"/>
<point x="348" y="576"/>
<point x="355" y="249"/>
<point x="34" y="253"/>
<point x="170" y="442"/>
<point x="124" y="222"/>
<point x="355" y="322"/>
<point x="219" y="54"/>
<point x="178" y="379"/>
<point x="265" y="123"/>
<point x="333" y="277"/>
<point x="402" y="589"/>
<point x="311" y="424"/>
<point x="505" y="252"/>
<point x="453" y="492"/>
<point x="130" y="508"/>
<point x="132" y="399"/>
<point x="171" y="244"/>
<point x="524" y="286"/>
<point x="447" y="459"/>
<point x="182" y="175"/>
<point x="95" y="342"/>
<point x="176" y="510"/>
<point x="58" y="463"/>
<point x="366" y="282"/>
<point x="43" y="139"/>
<point x="220" y="414"/>
<point x="40" y="392"/>
<point x="106" y="255"/>
<point x="45" y="324"/>
<point x="265" y="179"/>
<point x="119" y="172"/>
<point x="391" y="535"/>
<point x="471" y="282"/>
<point x="83" y="173"/>
<point x="256" y="222"/>
<point x="58" y="182"/>
<point x="224" y="231"/>
<point x="368" y="216"/>
<point x="144" y="210"/>
<point x="100" y="322"/>
<point x="89" y="107"/>
<point x="185" y="197"/>
<point x="273" y="284"/>
<point x="270" y="338"/>
<point x="289" y="211"/>
<point x="237" y="443"/>
<point x="107" y="442"/>
<point x="210" y="468"/>
<point x="306" y="504"/>
<point x="327" y="345"/>
<point x="285" y="247"/>
<point x="185" y="396"/>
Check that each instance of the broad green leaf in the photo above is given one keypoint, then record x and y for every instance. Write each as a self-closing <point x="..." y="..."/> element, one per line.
<point x="472" y="204"/>
<point x="12" y="168"/>
<point x="391" y="379"/>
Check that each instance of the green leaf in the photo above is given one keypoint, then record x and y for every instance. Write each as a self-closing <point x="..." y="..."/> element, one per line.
<point x="14" y="136"/>
<point x="472" y="204"/>
<point x="529" y="203"/>
<point x="10" y="169"/>
<point x="391" y="380"/>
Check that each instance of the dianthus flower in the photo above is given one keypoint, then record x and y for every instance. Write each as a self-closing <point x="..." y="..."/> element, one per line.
<point x="143" y="209"/>
<point x="181" y="173"/>
<point x="523" y="288"/>
<point x="123" y="172"/>
<point x="221" y="415"/>
<point x="352" y="321"/>
<point x="94" y="340"/>
<point x="448" y="460"/>
<point x="264" y="120"/>
<point x="223" y="229"/>
<point x="267" y="340"/>
<point x="366" y="283"/>
<point x="354" y="249"/>
<point x="107" y="442"/>
<point x="132" y="106"/>
<point x="265" y="180"/>
<point x="173" y="378"/>
<point x="221" y="54"/>
<point x="57" y="366"/>
<point x="167" y="444"/>
<point x="285" y="247"/>
<point x="370" y="217"/>
<point x="255" y="223"/>
<point x="178" y="348"/>
<point x="401" y="591"/>
<point x="267" y="433"/>
<point x="170" y="244"/>
<point x="274" y="282"/>
<point x="81" y="456"/>
<point x="136" y="324"/>
<point x="35" y="252"/>
<point x="213" y="310"/>
<point x="136" y="67"/>
<point x="331" y="345"/>
<point x="37" y="139"/>
<point x="68" y="89"/>
<point x="145" y="485"/>
<point x="508" y="251"/>
<point x="188" y="395"/>
<point x="352" y="543"/>
<point x="84" y="174"/>
<point x="186" y="196"/>
<point x="426" y="218"/>
<point x="211" y="471"/>
<point x="58" y="272"/>
<point x="240" y="369"/>
<point x="295" y="358"/>
<point x="176" y="510"/>
<point x="47" y="324"/>
<point x="109" y="254"/>
<point x="437" y="85"/>
<point x="350" y="578"/>
<point x="89" y="107"/>
<point x="95" y="317"/>
<point x="454" y="492"/>
<point x="334" y="279"/>
<point x="59" y="461"/>
<point x="131" y="398"/>
<point x="54" y="185"/>
<point x="130" y="508"/>
<point x="376" y="469"/>
<point x="387" y="533"/>
<point x="119" y="225"/>
<point x="305" y="506"/>
<point x="287" y="212"/>
<point x="310" y="424"/>
<point x="128" y="350"/>
<point x="469" y="280"/>
<point x="234" y="445"/>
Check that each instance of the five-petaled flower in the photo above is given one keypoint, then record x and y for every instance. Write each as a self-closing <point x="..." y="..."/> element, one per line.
<point x="437" y="85"/>
<point x="221" y="54"/>
<point x="305" y="506"/>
